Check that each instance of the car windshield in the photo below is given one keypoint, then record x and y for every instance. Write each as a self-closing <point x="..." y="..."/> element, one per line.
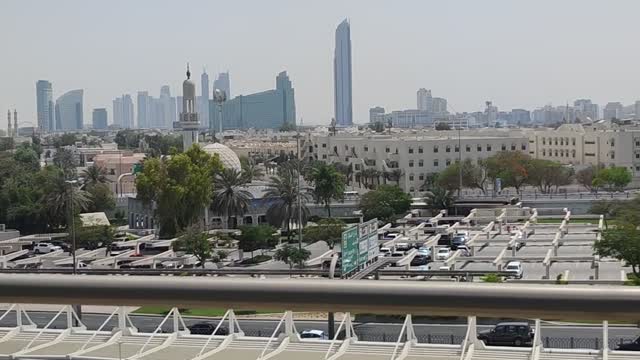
<point x="443" y="251"/>
<point x="512" y="267"/>
<point x="309" y="335"/>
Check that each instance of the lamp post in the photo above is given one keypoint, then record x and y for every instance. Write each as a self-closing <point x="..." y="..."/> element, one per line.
<point x="72" y="184"/>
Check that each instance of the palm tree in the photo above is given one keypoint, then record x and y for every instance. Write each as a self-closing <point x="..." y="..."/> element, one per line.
<point x="329" y="185"/>
<point x="438" y="198"/>
<point x="283" y="191"/>
<point x="230" y="199"/>
<point x="346" y="170"/>
<point x="394" y="175"/>
<point x="250" y="171"/>
<point x="62" y="196"/>
<point x="95" y="174"/>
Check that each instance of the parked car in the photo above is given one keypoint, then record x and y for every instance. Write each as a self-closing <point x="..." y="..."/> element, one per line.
<point x="45" y="248"/>
<point x="403" y="246"/>
<point x="464" y="250"/>
<point x="424" y="251"/>
<point x="511" y="334"/>
<point x="397" y="253"/>
<point x="515" y="267"/>
<point x="443" y="254"/>
<point x="419" y="260"/>
<point x="632" y="346"/>
<point x="63" y="245"/>
<point x="385" y="251"/>
<point x="314" y="335"/>
<point x="205" y="328"/>
<point x="458" y="240"/>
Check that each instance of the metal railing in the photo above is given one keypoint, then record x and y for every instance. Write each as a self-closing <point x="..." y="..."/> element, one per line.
<point x="443" y="299"/>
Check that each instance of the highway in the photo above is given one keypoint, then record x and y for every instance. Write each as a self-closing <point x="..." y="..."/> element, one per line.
<point x="441" y="332"/>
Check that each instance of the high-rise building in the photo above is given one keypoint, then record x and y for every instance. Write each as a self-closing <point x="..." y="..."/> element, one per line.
<point x="636" y="108"/>
<point x="45" y="106"/>
<point x="520" y="116"/>
<point x="203" y="101"/>
<point x="586" y="111"/>
<point x="375" y="114"/>
<point x="117" y="112"/>
<point x="264" y="110"/>
<point x="127" y="112"/>
<point x="439" y="106"/>
<point x="69" y="110"/>
<point x="342" y="75"/>
<point x="425" y="101"/>
<point x="613" y="110"/>
<point x="189" y="122"/>
<point x="166" y="109"/>
<point x="144" y="109"/>
<point x="223" y="83"/>
<point x="99" y="118"/>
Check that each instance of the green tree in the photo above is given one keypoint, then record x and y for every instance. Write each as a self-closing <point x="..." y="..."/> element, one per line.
<point x="328" y="185"/>
<point x="128" y="139"/>
<point x="25" y="155"/>
<point x="195" y="242"/>
<point x="180" y="186"/>
<point x="585" y="177"/>
<point x="255" y="237"/>
<point x="66" y="161"/>
<point x="161" y="144"/>
<point x="250" y="171"/>
<point x="439" y="198"/>
<point x="328" y="230"/>
<point x="283" y="193"/>
<point x="102" y="199"/>
<point x="622" y="243"/>
<point x="384" y="202"/>
<point x="292" y="255"/>
<point x="346" y="170"/>
<point x="442" y="126"/>
<point x="546" y="174"/>
<point x="510" y="166"/>
<point x="61" y="195"/>
<point x="614" y="178"/>
<point x="394" y="175"/>
<point x="230" y="199"/>
<point x="95" y="174"/>
<point x="92" y="237"/>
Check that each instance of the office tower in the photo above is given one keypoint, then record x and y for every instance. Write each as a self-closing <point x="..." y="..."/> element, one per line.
<point x="223" y="83"/>
<point x="69" y="110"/>
<point x="44" y="105"/>
<point x="167" y="108"/>
<point x="376" y="114"/>
<point x="264" y="110"/>
<point x="439" y="105"/>
<point x="203" y="101"/>
<point x="342" y="75"/>
<point x="127" y="112"/>
<point x="425" y="101"/>
<point x="144" y="109"/>
<point x="613" y="110"/>
<point x="99" y="119"/>
<point x="189" y="117"/>
<point x="586" y="111"/>
<point x="117" y="112"/>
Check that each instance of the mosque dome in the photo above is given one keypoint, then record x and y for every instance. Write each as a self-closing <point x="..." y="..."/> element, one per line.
<point x="228" y="158"/>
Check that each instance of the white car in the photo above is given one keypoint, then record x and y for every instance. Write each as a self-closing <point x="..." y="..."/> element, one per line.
<point x="443" y="254"/>
<point x="314" y="335"/>
<point x="515" y="267"/>
<point x="385" y="251"/>
<point x="45" y="248"/>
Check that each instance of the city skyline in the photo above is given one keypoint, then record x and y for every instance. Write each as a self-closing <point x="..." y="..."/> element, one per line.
<point x="467" y="65"/>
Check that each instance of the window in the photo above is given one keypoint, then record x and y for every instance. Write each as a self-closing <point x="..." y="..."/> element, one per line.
<point x="555" y="141"/>
<point x="420" y="163"/>
<point x="448" y="162"/>
<point x="523" y="147"/>
<point x="544" y="142"/>
<point x="591" y="142"/>
<point x="561" y="141"/>
<point x="447" y="149"/>
<point x="412" y="189"/>
<point x="421" y="177"/>
<point x="613" y="155"/>
<point x="488" y="147"/>
<point x="410" y="150"/>
<point x="613" y="142"/>
<point x="513" y="147"/>
<point x="637" y="142"/>
<point x="387" y="149"/>
<point x="366" y="148"/>
<point x="410" y="177"/>
<point x="112" y="171"/>
<point x="589" y="154"/>
<point x="357" y="167"/>
<point x="468" y="148"/>
<point x="504" y="147"/>
<point x="479" y="148"/>
<point x="573" y="153"/>
<point x="420" y="150"/>
<point x="435" y="148"/>
<point x="410" y="163"/>
<point x="346" y="147"/>
<point x="573" y="141"/>
<point x="324" y="145"/>
<point x="435" y="163"/>
<point x="637" y="155"/>
<point x="556" y="152"/>
<point x="456" y="148"/>
<point x="544" y="153"/>
<point x="324" y="156"/>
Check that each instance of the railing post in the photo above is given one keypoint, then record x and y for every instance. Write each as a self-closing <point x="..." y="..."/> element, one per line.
<point x="605" y="340"/>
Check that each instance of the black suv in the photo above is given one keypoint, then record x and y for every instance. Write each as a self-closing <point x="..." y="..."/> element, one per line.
<point x="632" y="346"/>
<point x="205" y="328"/>
<point x="511" y="334"/>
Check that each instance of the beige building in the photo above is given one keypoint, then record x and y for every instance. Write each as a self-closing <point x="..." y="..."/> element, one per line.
<point x="416" y="154"/>
<point x="120" y="170"/>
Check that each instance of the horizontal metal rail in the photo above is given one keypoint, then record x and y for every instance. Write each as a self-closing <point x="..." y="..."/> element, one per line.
<point x="382" y="297"/>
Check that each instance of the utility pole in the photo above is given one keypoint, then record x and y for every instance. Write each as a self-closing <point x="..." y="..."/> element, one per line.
<point x="299" y="189"/>
<point x="72" y="183"/>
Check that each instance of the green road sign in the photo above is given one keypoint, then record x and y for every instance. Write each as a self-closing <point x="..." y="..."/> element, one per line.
<point x="350" y="249"/>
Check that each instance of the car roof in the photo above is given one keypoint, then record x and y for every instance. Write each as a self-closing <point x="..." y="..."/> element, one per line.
<point x="513" y="263"/>
<point x="513" y="323"/>
<point x="444" y="249"/>
<point x="317" y="332"/>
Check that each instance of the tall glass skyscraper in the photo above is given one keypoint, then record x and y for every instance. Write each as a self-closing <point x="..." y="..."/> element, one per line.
<point x="342" y="75"/>
<point x="223" y="83"/>
<point x="99" y="119"/>
<point x="45" y="107"/>
<point x="69" y="111"/>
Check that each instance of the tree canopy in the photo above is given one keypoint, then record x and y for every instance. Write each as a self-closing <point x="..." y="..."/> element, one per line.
<point x="255" y="237"/>
<point x="329" y="185"/>
<point x="614" y="178"/>
<point x="292" y="255"/>
<point x="384" y="202"/>
<point x="194" y="242"/>
<point x="328" y="230"/>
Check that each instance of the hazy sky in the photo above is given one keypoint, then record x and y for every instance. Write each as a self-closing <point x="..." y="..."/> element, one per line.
<point x="515" y="53"/>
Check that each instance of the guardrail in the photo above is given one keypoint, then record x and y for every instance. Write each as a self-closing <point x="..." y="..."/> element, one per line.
<point x="576" y="303"/>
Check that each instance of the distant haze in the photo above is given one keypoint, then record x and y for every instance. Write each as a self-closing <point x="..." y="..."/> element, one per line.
<point x="519" y="54"/>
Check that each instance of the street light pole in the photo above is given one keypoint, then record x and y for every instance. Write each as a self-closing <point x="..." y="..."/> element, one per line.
<point x="299" y="185"/>
<point x="73" y="227"/>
